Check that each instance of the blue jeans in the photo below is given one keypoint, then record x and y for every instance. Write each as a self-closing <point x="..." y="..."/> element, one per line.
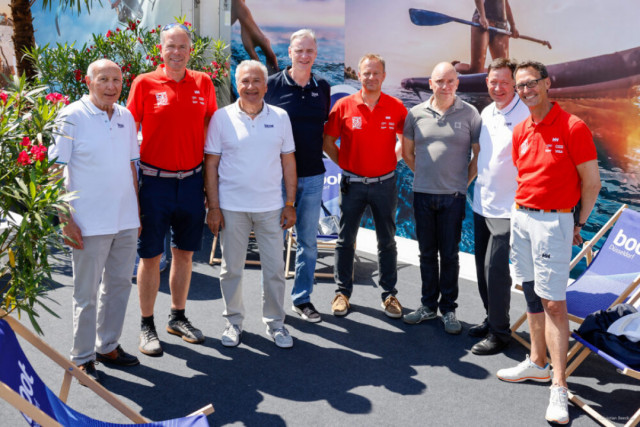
<point x="308" y="199"/>
<point x="382" y="198"/>
<point x="439" y="229"/>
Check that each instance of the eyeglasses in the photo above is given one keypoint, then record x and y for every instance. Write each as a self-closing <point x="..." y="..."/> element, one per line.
<point x="176" y="24"/>
<point x="530" y="84"/>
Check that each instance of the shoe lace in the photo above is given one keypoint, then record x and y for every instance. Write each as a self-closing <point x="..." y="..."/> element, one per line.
<point x="559" y="396"/>
<point x="185" y="323"/>
<point x="283" y="331"/>
<point x="149" y="333"/>
<point x="232" y="330"/>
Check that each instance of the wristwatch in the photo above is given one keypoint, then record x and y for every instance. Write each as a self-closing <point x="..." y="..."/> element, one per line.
<point x="579" y="224"/>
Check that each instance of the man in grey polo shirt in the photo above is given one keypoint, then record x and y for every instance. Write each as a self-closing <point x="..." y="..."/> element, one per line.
<point x="438" y="137"/>
<point x="493" y="197"/>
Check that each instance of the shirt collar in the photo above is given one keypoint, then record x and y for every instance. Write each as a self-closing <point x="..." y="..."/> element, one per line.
<point x="457" y="104"/>
<point x="508" y="109"/>
<point x="382" y="101"/>
<point x="162" y="76"/>
<point x="266" y="110"/>
<point x="291" y="82"/>
<point x="548" y="119"/>
<point x="93" y="110"/>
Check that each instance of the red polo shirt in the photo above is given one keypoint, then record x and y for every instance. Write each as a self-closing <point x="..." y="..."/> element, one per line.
<point x="173" y="115"/>
<point x="546" y="155"/>
<point x="367" y="137"/>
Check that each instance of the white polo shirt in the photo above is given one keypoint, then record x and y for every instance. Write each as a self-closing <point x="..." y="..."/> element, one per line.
<point x="250" y="170"/>
<point x="98" y="153"/>
<point x="496" y="185"/>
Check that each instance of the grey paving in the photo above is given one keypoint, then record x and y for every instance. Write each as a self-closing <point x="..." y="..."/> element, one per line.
<point x="360" y="370"/>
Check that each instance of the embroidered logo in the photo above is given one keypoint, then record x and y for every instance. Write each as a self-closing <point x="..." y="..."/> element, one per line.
<point x="559" y="148"/>
<point x="162" y="99"/>
<point x="548" y="148"/>
<point x="196" y="92"/>
<point x="268" y="126"/>
<point x="314" y="94"/>
<point x="546" y="256"/>
<point x="457" y="125"/>
<point x="356" y="122"/>
<point x="524" y="147"/>
<point x="120" y="125"/>
<point x="556" y="139"/>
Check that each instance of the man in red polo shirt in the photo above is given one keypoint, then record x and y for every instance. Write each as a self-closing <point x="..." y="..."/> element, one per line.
<point x="174" y="106"/>
<point x="558" y="184"/>
<point x="367" y="124"/>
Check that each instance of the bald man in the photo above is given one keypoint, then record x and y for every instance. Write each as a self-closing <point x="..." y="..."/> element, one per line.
<point x="439" y="135"/>
<point x="97" y="146"/>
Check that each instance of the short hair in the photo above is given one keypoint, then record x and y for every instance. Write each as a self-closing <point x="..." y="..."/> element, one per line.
<point x="305" y="32"/>
<point x="99" y="63"/>
<point x="248" y="63"/>
<point x="372" y="57"/>
<point x="538" y="66"/>
<point x="175" y="25"/>
<point x="498" y="63"/>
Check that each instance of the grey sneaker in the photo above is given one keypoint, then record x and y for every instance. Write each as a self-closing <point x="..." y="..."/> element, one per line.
<point x="422" y="313"/>
<point x="558" y="409"/>
<point x="525" y="370"/>
<point x="451" y="324"/>
<point x="149" y="343"/>
<point x="183" y="328"/>
<point x="281" y="337"/>
<point x="231" y="335"/>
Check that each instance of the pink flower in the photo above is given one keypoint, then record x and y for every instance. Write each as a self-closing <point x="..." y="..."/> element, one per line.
<point x="24" y="159"/>
<point x="39" y="152"/>
<point x="153" y="30"/>
<point x="55" y="97"/>
<point x="77" y="74"/>
<point x="214" y="63"/>
<point x="188" y="24"/>
<point x="3" y="96"/>
<point x="109" y="34"/>
<point x="26" y="142"/>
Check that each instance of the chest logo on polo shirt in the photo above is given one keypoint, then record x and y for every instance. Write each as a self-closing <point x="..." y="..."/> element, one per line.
<point x="197" y="99"/>
<point x="314" y="94"/>
<point x="268" y="125"/>
<point x="457" y="125"/>
<point x="524" y="147"/>
<point x="356" y="122"/>
<point x="162" y="99"/>
<point x="120" y="125"/>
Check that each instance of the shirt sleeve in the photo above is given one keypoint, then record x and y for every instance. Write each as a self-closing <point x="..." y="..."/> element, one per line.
<point x="581" y="146"/>
<point x="63" y="139"/>
<point x="402" y="112"/>
<point x="515" y="144"/>
<point x="135" y="102"/>
<point x="213" y="142"/>
<point x="133" y="140"/>
<point x="408" y="128"/>
<point x="333" y="127"/>
<point x="212" y="103"/>
<point x="288" y="145"/>
<point x="476" y="127"/>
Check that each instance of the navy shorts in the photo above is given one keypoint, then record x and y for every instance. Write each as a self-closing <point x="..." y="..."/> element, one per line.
<point x="171" y="203"/>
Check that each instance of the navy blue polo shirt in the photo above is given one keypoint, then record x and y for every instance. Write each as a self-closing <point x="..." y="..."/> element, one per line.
<point x="308" y="108"/>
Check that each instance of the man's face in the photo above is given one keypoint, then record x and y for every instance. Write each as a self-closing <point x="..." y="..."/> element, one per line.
<point x="106" y="85"/>
<point x="176" y="49"/>
<point x="444" y="83"/>
<point x="500" y="84"/>
<point x="536" y="95"/>
<point x="251" y="85"/>
<point x="371" y="75"/>
<point x="303" y="52"/>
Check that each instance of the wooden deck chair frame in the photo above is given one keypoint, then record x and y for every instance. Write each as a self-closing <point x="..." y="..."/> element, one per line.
<point x="588" y="253"/>
<point x="213" y="259"/>
<point x="70" y="371"/>
<point x="323" y="244"/>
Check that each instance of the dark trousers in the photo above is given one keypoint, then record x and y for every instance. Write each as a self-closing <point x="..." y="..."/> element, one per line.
<point x="439" y="229"/>
<point x="382" y="198"/>
<point x="492" y="268"/>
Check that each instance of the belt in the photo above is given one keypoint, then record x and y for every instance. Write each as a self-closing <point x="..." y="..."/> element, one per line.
<point x="148" y="170"/>
<point x="365" y="180"/>
<point x="524" y="208"/>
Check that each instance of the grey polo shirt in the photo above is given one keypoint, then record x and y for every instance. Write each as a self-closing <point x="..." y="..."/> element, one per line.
<point x="442" y="145"/>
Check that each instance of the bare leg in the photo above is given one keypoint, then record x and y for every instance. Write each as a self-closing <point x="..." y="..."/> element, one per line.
<point x="180" y="277"/>
<point x="557" y="336"/>
<point x="479" y="43"/>
<point x="148" y="284"/>
<point x="499" y="46"/>
<point x="538" y="342"/>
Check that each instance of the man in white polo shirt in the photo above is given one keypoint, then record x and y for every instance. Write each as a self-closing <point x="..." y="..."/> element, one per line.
<point x="97" y="146"/>
<point x="248" y="151"/>
<point x="493" y="197"/>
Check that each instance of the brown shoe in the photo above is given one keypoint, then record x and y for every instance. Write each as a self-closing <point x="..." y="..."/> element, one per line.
<point x="340" y="305"/>
<point x="392" y="307"/>
<point x="89" y="368"/>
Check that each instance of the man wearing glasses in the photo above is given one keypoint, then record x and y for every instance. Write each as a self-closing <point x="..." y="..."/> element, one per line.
<point x="439" y="135"/>
<point x="493" y="196"/>
<point x="174" y="106"/>
<point x="558" y="184"/>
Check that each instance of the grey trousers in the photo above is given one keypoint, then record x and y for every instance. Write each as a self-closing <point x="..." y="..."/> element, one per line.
<point x="492" y="268"/>
<point x="234" y="239"/>
<point x="102" y="274"/>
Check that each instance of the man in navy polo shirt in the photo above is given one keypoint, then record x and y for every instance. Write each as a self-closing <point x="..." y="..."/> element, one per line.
<point x="307" y="99"/>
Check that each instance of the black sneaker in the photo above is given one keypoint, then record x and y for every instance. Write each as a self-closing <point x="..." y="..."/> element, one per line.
<point x="308" y="312"/>
<point x="183" y="328"/>
<point x="89" y="368"/>
<point x="118" y="357"/>
<point x="149" y="343"/>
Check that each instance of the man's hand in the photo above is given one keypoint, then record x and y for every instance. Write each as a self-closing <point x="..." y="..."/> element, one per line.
<point x="215" y="220"/>
<point x="73" y="235"/>
<point x="577" y="238"/>
<point x="288" y="217"/>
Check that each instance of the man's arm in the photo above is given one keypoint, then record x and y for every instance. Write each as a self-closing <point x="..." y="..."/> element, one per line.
<point x="409" y="153"/>
<point x="473" y="164"/>
<point x="589" y="188"/>
<point x="512" y="23"/>
<point x="134" y="174"/>
<point x="288" y="216"/>
<point x="70" y="230"/>
<point x="329" y="146"/>
<point x="215" y="219"/>
<point x="399" y="146"/>
<point x="483" y="17"/>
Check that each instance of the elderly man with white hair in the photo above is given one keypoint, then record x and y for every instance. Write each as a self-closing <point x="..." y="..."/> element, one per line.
<point x="248" y="151"/>
<point x="97" y="147"/>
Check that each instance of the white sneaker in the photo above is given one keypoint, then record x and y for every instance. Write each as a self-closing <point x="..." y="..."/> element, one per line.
<point x="558" y="409"/>
<point x="281" y="337"/>
<point x="231" y="335"/>
<point x="526" y="370"/>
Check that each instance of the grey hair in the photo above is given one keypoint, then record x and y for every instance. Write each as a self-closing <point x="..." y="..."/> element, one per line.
<point x="99" y="63"/>
<point x="305" y="32"/>
<point x="249" y="63"/>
